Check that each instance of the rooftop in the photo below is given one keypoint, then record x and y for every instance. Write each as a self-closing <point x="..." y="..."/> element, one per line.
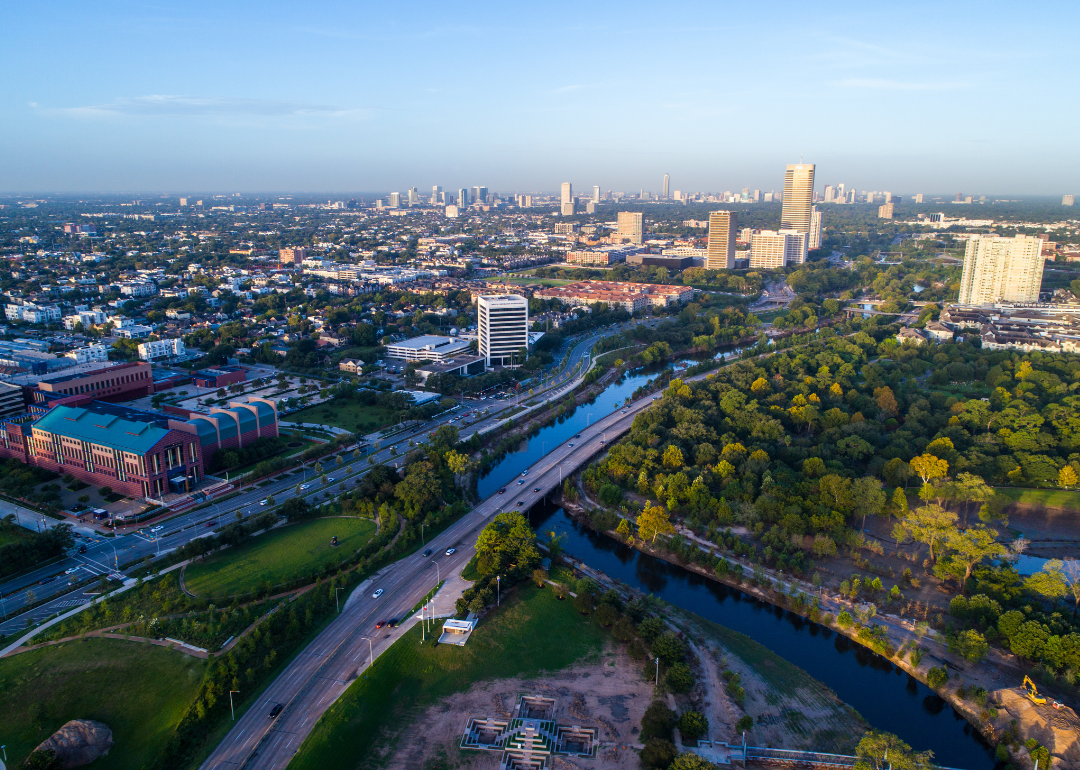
<point x="128" y="430"/>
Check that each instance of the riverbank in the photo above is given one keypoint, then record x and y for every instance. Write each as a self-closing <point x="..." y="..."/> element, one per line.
<point x="986" y="694"/>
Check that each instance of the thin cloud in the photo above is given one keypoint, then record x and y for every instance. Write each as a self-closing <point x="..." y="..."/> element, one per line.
<point x="568" y="89"/>
<point x="165" y="105"/>
<point x="879" y="84"/>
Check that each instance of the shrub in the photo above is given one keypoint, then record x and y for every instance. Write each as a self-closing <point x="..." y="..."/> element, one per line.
<point x="744" y="724"/>
<point x="693" y="725"/>
<point x="583" y="603"/>
<point x="680" y="678"/>
<point x="658" y="753"/>
<point x="657" y="722"/>
<point x="937" y="677"/>
<point x="623" y="630"/>
<point x="650" y="628"/>
<point x="669" y="648"/>
<point x="844" y="620"/>
<point x="606" y="615"/>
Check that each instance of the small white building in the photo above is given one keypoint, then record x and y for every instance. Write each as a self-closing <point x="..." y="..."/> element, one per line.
<point x="89" y="354"/>
<point x="148" y="351"/>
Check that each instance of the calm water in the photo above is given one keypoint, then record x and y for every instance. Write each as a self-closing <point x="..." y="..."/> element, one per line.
<point x="887" y="697"/>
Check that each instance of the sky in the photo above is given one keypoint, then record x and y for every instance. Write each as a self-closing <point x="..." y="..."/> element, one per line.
<point x="236" y="96"/>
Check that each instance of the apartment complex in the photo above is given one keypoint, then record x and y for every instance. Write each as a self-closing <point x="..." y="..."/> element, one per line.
<point x="771" y="249"/>
<point x="815" y="229"/>
<point x="631" y="297"/>
<point x="161" y="348"/>
<point x="1068" y="200"/>
<point x="1000" y="269"/>
<point x="504" y="328"/>
<point x="293" y="256"/>
<point x="631" y="228"/>
<point x="721" y="248"/>
<point x="885" y="211"/>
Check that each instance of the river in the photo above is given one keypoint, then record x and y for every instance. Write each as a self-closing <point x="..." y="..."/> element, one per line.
<point x="887" y="697"/>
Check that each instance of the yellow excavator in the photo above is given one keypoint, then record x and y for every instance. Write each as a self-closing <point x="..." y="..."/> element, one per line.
<point x="1032" y="692"/>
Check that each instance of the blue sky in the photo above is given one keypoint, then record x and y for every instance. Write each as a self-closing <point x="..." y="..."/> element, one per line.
<point x="336" y="96"/>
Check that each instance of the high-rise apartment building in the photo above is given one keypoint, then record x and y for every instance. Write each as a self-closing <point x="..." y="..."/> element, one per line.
<point x="918" y="197"/>
<point x="720" y="254"/>
<point x="631" y="227"/>
<point x="885" y="211"/>
<point x="596" y="193"/>
<point x="1068" y="200"/>
<point x="293" y="255"/>
<point x="771" y="249"/>
<point x="395" y="200"/>
<point x="414" y="196"/>
<point x="463" y="198"/>
<point x="1000" y="269"/>
<point x="830" y="193"/>
<point x="814" y="242"/>
<point x="566" y="195"/>
<point x="798" y="197"/>
<point x="504" y="328"/>
<point x="667" y="185"/>
<point x="480" y="194"/>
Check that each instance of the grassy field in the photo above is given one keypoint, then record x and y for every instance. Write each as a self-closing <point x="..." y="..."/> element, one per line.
<point x="12" y="533"/>
<point x="1051" y="498"/>
<point x="346" y="414"/>
<point x="289" y="551"/>
<point x="515" y="641"/>
<point x="139" y="691"/>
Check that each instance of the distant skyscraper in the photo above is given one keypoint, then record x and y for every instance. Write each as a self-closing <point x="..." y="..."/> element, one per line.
<point x="451" y="212"/>
<point x="918" y="197"/>
<point x="395" y="200"/>
<point x="885" y="211"/>
<point x="568" y="209"/>
<point x="721" y="249"/>
<point x="184" y="201"/>
<point x="590" y="207"/>
<point x="481" y="194"/>
<point x="504" y="328"/>
<point x="1066" y="200"/>
<point x="667" y="185"/>
<point x="414" y="196"/>
<point x="463" y="198"/>
<point x="830" y="193"/>
<point x="815" y="229"/>
<point x="631" y="227"/>
<point x="1000" y="269"/>
<point x="596" y="193"/>
<point x="798" y="197"/>
<point x="567" y="194"/>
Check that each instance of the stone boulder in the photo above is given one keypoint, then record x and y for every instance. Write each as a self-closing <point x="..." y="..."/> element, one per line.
<point x="79" y="742"/>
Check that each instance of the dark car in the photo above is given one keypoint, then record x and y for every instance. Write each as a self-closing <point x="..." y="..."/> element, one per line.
<point x="276" y="710"/>
<point x="536" y="489"/>
<point x="380" y="624"/>
<point x="503" y="489"/>
<point x="391" y="623"/>
<point x="427" y="552"/>
<point x="211" y="523"/>
<point x="82" y="549"/>
<point x="43" y="581"/>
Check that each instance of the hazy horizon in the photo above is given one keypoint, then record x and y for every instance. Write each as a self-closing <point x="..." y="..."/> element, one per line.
<point x="265" y="97"/>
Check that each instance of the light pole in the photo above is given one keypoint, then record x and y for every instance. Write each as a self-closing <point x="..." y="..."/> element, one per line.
<point x="657" y="682"/>
<point x="116" y="559"/>
<point x="498" y="590"/>
<point x="337" y="601"/>
<point x="371" y="661"/>
<point x="438" y="579"/>
<point x="233" y="710"/>
<point x="422" y="540"/>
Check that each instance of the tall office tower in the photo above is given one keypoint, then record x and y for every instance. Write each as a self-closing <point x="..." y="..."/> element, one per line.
<point x="395" y="200"/>
<point x="1000" y="269"/>
<point x="885" y="211"/>
<point x="888" y="197"/>
<point x="959" y="197"/>
<point x="590" y="207"/>
<point x="436" y="195"/>
<point x="814" y="241"/>
<point x="830" y="193"/>
<point x="667" y="186"/>
<point x="918" y="197"/>
<point x="852" y="195"/>
<point x="678" y="195"/>
<point x="567" y="193"/>
<point x="720" y="254"/>
<point x="414" y="196"/>
<point x="756" y="196"/>
<point x="568" y="209"/>
<point x="481" y="194"/>
<point x="463" y="198"/>
<point x="1066" y="200"/>
<point x="798" y="197"/>
<point x="596" y="193"/>
<point x="184" y="201"/>
<point x="631" y="227"/>
<point x="504" y="328"/>
<point x="770" y="249"/>
<point x="869" y="197"/>
<point x="840" y="191"/>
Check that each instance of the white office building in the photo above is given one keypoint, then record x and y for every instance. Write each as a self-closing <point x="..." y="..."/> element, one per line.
<point x="721" y="244"/>
<point x="427" y="347"/>
<point x="815" y="229"/>
<point x="148" y="351"/>
<point x="89" y="354"/>
<point x="504" y="328"/>
<point x="773" y="249"/>
<point x="1000" y="269"/>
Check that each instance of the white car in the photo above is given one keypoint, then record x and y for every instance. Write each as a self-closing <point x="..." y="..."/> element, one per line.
<point x="69" y="571"/>
<point x="264" y="501"/>
<point x="450" y="551"/>
<point x="158" y="528"/>
<point x="305" y="486"/>
<point x="377" y="594"/>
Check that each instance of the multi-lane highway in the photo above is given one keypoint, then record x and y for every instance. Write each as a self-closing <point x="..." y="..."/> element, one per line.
<point x="104" y="555"/>
<point x="316" y="677"/>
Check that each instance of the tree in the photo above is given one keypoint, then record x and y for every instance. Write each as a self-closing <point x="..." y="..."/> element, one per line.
<point x="929" y="524"/>
<point x="654" y="521"/>
<point x="1067" y="477"/>
<point x="539" y="576"/>
<point x="421" y="488"/>
<point x="867" y="497"/>
<point x="658" y="721"/>
<point x="929" y="468"/>
<point x="1056" y="579"/>
<point x="606" y="615"/>
<point x="43" y="760"/>
<point x="658" y="753"/>
<point x="673" y="458"/>
<point x="507" y="546"/>
<point x="680" y="678"/>
<point x="879" y="750"/>
<point x="971" y="644"/>
<point x="693" y="725"/>
<point x="668" y="647"/>
<point x="689" y="761"/>
<point x="457" y="462"/>
<point x="968" y="549"/>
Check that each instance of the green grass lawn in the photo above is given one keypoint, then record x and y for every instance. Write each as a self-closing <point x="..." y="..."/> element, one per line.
<point x="12" y="533"/>
<point x="347" y="414"/>
<point x="289" y="551"/>
<point x="138" y="690"/>
<point x="1051" y="498"/>
<point x="533" y="632"/>
<point x="469" y="572"/>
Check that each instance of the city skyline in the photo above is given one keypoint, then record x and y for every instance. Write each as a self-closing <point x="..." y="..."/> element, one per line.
<point x="338" y="97"/>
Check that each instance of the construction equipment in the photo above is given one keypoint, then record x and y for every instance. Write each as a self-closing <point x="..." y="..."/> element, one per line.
<point x="1032" y="692"/>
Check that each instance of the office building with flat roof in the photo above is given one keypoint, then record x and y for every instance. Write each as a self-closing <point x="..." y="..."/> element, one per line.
<point x="427" y="347"/>
<point x="721" y="247"/>
<point x="814" y="241"/>
<point x="504" y="328"/>
<point x="771" y="250"/>
<point x="631" y="228"/>
<point x="998" y="269"/>
<point x="798" y="199"/>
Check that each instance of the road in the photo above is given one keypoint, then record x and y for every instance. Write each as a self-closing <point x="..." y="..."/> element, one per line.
<point x="318" y="676"/>
<point x="104" y="554"/>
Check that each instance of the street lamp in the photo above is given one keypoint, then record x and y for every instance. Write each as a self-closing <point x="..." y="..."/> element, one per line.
<point x="437" y="571"/>
<point x="657" y="682"/>
<point x="337" y="602"/>
<point x="371" y="652"/>
<point x="498" y="590"/>
<point x="233" y="710"/>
